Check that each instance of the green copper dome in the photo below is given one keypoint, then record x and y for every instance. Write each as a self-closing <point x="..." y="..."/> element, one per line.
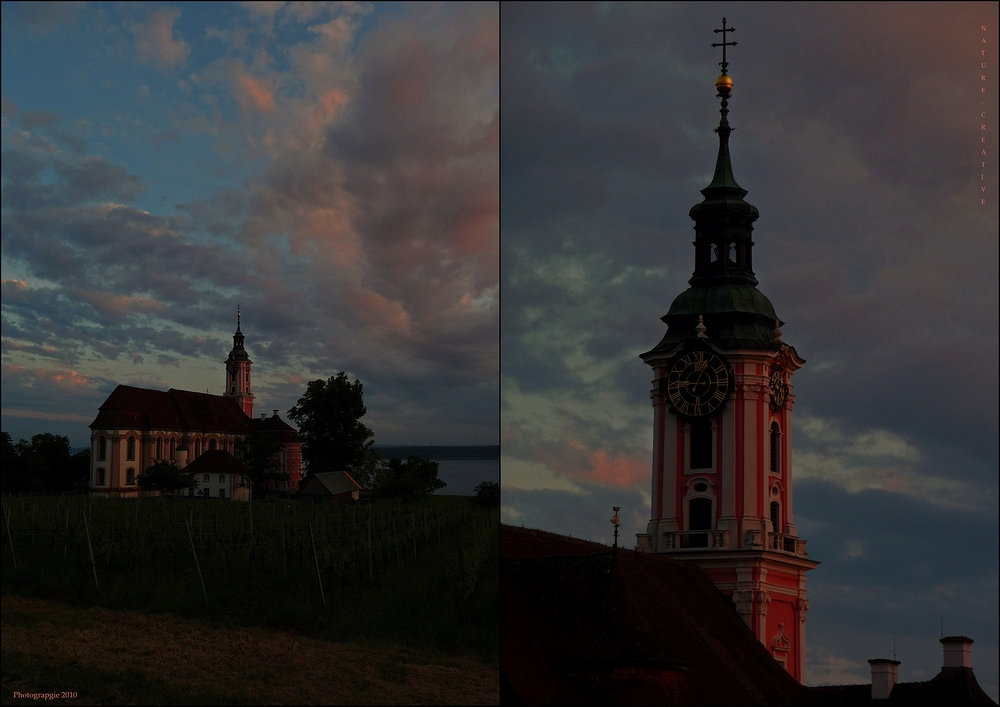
<point x="735" y="316"/>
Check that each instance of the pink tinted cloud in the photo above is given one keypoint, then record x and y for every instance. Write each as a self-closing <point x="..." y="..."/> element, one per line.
<point x="253" y="91"/>
<point x="62" y="377"/>
<point x="154" y="39"/>
<point x="611" y="470"/>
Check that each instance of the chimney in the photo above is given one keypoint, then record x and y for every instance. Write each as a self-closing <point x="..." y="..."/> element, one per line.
<point x="885" y="673"/>
<point x="275" y="413"/>
<point x="263" y="416"/>
<point x="957" y="651"/>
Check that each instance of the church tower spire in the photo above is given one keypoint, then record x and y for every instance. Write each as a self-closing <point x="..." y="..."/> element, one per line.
<point x="722" y="406"/>
<point x="238" y="372"/>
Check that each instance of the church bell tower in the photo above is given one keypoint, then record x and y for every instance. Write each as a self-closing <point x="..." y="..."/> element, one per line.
<point x="238" y="372"/>
<point x="722" y="409"/>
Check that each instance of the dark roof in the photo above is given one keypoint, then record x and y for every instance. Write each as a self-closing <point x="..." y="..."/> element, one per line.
<point x="276" y="427"/>
<point x="583" y="624"/>
<point x="331" y="483"/>
<point x="217" y="461"/>
<point x="142" y="408"/>
<point x="952" y="686"/>
<point x="735" y="315"/>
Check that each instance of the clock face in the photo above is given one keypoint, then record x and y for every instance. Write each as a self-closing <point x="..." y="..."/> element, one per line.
<point x="698" y="383"/>
<point x="778" y="389"/>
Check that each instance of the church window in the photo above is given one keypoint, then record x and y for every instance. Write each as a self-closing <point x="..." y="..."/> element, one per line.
<point x="775" y="517"/>
<point x="701" y="487"/>
<point x="197" y="447"/>
<point x="233" y="389"/>
<point x="102" y="448"/>
<point x="700" y="514"/>
<point x="100" y="476"/>
<point x="159" y="447"/>
<point x="775" y="438"/>
<point x="699" y="518"/>
<point x="173" y="442"/>
<point x="130" y="449"/>
<point x="211" y="444"/>
<point x="701" y="444"/>
<point x="130" y="477"/>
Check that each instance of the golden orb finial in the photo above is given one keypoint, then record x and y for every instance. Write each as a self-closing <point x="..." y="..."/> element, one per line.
<point x="724" y="84"/>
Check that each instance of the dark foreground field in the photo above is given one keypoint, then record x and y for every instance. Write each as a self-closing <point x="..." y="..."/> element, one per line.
<point x="130" y="657"/>
<point x="411" y="592"/>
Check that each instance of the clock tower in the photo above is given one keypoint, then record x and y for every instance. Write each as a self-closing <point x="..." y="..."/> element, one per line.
<point x="238" y="372"/>
<point x="722" y="409"/>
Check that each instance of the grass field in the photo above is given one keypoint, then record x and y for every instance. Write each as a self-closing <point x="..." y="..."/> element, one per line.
<point x="409" y="589"/>
<point x="129" y="657"/>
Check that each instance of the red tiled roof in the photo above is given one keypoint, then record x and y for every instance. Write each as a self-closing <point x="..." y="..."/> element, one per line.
<point x="583" y="624"/>
<point x="185" y="410"/>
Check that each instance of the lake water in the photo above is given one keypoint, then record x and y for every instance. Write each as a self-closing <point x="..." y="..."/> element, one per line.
<point x="463" y="475"/>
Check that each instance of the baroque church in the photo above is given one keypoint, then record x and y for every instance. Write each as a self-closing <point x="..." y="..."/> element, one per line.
<point x="136" y="427"/>
<point x="710" y="607"/>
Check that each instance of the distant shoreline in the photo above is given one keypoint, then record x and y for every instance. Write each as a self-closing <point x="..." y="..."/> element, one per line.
<point x="429" y="451"/>
<point x="439" y="453"/>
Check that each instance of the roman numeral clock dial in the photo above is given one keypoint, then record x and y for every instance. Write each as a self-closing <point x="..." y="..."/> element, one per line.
<point x="698" y="383"/>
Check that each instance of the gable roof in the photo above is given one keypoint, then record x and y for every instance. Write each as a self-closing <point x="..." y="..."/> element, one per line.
<point x="581" y="623"/>
<point x="333" y="483"/>
<point x="217" y="461"/>
<point x="183" y="410"/>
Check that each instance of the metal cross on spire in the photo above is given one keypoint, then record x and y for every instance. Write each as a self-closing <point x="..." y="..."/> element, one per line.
<point x="237" y="311"/>
<point x="724" y="44"/>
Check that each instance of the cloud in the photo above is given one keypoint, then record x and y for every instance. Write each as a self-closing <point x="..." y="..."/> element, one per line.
<point x="384" y="265"/>
<point x="154" y="39"/>
<point x="827" y="668"/>
<point x="873" y="459"/>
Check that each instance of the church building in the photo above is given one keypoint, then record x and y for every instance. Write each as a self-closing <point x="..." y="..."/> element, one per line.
<point x="710" y="607"/>
<point x="722" y="408"/>
<point x="136" y="427"/>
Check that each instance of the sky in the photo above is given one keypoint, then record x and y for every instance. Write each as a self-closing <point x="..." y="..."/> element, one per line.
<point x="858" y="136"/>
<point x="331" y="167"/>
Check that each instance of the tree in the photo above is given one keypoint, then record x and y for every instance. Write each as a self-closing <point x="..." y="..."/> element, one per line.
<point x="488" y="493"/>
<point x="414" y="477"/>
<point x="329" y="419"/>
<point x="367" y="470"/>
<point x="165" y="476"/>
<point x="43" y="465"/>
<point x="258" y="452"/>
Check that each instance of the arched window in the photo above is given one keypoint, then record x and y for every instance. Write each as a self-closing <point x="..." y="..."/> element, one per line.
<point x="100" y="476"/>
<point x="130" y="477"/>
<point x="159" y="447"/>
<point x="701" y="444"/>
<point x="197" y="447"/>
<point x="173" y="444"/>
<point x="102" y="448"/>
<point x="211" y="444"/>
<point x="775" y="517"/>
<point x="130" y="449"/>
<point x="775" y="447"/>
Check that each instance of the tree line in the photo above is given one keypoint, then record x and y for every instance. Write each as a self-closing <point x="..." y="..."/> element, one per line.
<point x="43" y="465"/>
